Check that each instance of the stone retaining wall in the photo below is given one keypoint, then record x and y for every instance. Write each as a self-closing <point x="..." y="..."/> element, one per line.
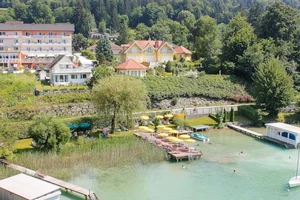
<point x="39" y="93"/>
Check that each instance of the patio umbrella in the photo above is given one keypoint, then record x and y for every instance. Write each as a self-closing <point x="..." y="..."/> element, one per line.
<point x="168" y="115"/>
<point x="184" y="137"/>
<point x="159" y="117"/>
<point x="172" y="139"/>
<point x="142" y="127"/>
<point x="190" y="140"/>
<point x="160" y="126"/>
<point x="85" y="125"/>
<point x="144" y="117"/>
<point x="73" y="126"/>
<point x="167" y="129"/>
<point x="149" y="130"/>
<point x="162" y="134"/>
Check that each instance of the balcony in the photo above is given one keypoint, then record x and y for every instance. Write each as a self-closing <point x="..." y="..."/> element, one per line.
<point x="8" y="60"/>
<point x="46" y="36"/>
<point x="46" y="44"/>
<point x="37" y="60"/>
<point x="73" y="70"/>
<point x="8" y="36"/>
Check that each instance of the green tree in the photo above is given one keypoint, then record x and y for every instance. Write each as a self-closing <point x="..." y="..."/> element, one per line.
<point x="38" y="12"/>
<point x="178" y="122"/>
<point x="63" y="15"/>
<point x="104" y="49"/>
<point x="102" y="72"/>
<point x="79" y="42"/>
<point x="7" y="15"/>
<point x="8" y="139"/>
<point x="118" y="97"/>
<point x="124" y="30"/>
<point x="20" y="10"/>
<point x="188" y="19"/>
<point x="238" y="37"/>
<point x="102" y="26"/>
<point x="88" y="54"/>
<point x="255" y="17"/>
<point x="220" y="118"/>
<point x="280" y="22"/>
<point x="231" y="118"/>
<point x="83" y="19"/>
<point x="273" y="87"/>
<point x="207" y="44"/>
<point x="142" y="32"/>
<point x="49" y="133"/>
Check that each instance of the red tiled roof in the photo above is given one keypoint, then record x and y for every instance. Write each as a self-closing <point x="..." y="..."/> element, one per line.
<point x="182" y="50"/>
<point x="93" y="47"/>
<point x="131" y="64"/>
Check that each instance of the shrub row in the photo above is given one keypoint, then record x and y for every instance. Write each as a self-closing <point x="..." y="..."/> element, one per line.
<point x="64" y="98"/>
<point x="209" y="86"/>
<point x="251" y="113"/>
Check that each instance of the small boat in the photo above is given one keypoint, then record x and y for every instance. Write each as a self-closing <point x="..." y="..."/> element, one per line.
<point x="295" y="181"/>
<point x="200" y="137"/>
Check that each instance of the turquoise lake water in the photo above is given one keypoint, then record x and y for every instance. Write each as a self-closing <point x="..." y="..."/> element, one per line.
<point x="262" y="172"/>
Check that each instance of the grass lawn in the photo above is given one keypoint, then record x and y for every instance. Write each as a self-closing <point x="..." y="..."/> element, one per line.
<point x="45" y="86"/>
<point x="24" y="144"/>
<point x="202" y="120"/>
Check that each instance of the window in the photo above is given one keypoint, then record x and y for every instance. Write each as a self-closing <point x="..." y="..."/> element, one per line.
<point x="39" y="41"/>
<point x="16" y="48"/>
<point x="27" y="34"/>
<point x="1" y="48"/>
<point x="27" y="49"/>
<point x="16" y="41"/>
<point x="15" y="33"/>
<point x="51" y="48"/>
<point x="28" y="41"/>
<point x="149" y="50"/>
<point x="133" y="73"/>
<point x="82" y="76"/>
<point x="2" y="33"/>
<point x="292" y="136"/>
<point x="74" y="76"/>
<point x="64" y="41"/>
<point x="40" y="48"/>
<point x="50" y="41"/>
<point x="50" y="33"/>
<point x="284" y="134"/>
<point x="1" y="41"/>
<point x="39" y="33"/>
<point x="64" y="49"/>
<point x="63" y="33"/>
<point x="134" y="50"/>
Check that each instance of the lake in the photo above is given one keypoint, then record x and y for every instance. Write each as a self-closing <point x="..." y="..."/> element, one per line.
<point x="262" y="172"/>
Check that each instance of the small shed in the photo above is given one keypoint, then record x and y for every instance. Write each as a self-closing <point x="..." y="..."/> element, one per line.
<point x="284" y="133"/>
<point x="24" y="187"/>
<point x="200" y="127"/>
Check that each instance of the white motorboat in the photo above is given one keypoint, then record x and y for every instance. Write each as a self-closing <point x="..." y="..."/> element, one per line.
<point x="295" y="181"/>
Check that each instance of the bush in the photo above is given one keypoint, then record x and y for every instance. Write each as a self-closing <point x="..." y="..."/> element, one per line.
<point x="64" y="98"/>
<point x="178" y="122"/>
<point x="251" y="113"/>
<point x="174" y="101"/>
<point x="231" y="115"/>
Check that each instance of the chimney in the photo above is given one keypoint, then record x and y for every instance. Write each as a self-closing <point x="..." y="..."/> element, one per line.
<point x="156" y="44"/>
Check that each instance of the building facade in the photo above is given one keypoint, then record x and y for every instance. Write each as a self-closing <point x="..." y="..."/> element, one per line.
<point x="33" y="44"/>
<point x="153" y="51"/>
<point x="131" y="68"/>
<point x="63" y="72"/>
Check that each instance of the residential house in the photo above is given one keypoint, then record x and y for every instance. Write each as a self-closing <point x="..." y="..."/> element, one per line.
<point x="33" y="44"/>
<point x="64" y="72"/>
<point x="153" y="51"/>
<point x="132" y="68"/>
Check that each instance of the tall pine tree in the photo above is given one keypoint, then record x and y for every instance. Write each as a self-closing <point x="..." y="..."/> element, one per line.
<point x="103" y="49"/>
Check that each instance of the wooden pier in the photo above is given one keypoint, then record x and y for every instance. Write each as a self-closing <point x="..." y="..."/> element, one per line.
<point x="177" y="155"/>
<point x="88" y="194"/>
<point x="245" y="131"/>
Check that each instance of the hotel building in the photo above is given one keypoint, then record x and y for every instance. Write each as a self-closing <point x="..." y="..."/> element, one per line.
<point x="33" y="44"/>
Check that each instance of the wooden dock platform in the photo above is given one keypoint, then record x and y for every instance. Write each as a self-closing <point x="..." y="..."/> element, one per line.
<point x="177" y="155"/>
<point x="88" y="194"/>
<point x="245" y="131"/>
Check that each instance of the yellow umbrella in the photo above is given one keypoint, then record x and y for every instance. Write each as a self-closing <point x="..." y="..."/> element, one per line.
<point x="172" y="138"/>
<point x="162" y="135"/>
<point x="190" y="140"/>
<point x="168" y="115"/>
<point x="173" y="131"/>
<point x="179" y="140"/>
<point x="149" y="130"/>
<point x="142" y="127"/>
<point x="161" y="126"/>
<point x="144" y="117"/>
<point x="167" y="129"/>
<point x="159" y="117"/>
<point x="184" y="136"/>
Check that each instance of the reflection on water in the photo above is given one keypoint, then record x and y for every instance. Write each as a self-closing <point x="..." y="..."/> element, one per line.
<point x="262" y="172"/>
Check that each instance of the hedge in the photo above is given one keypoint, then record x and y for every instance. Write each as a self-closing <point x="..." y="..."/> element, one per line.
<point x="252" y="114"/>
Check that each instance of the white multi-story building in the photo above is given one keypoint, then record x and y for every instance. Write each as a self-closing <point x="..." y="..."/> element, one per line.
<point x="33" y="44"/>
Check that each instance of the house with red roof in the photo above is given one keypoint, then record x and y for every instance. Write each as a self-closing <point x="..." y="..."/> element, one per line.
<point x="153" y="51"/>
<point x="132" y="68"/>
<point x="116" y="49"/>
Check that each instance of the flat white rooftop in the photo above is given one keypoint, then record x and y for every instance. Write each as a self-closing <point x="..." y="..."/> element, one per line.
<point x="27" y="186"/>
<point x="287" y="127"/>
